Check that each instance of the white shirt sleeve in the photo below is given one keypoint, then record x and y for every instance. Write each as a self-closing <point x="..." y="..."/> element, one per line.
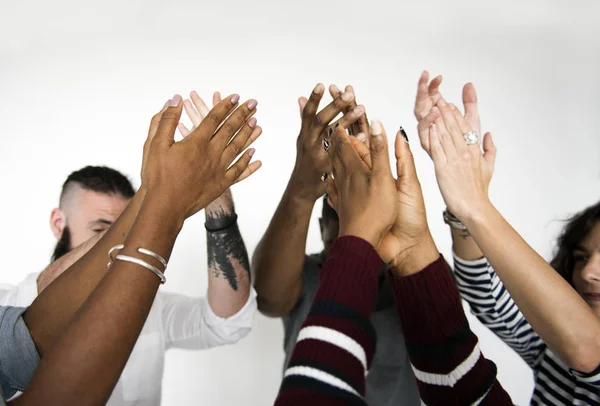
<point x="190" y="323"/>
<point x="21" y="295"/>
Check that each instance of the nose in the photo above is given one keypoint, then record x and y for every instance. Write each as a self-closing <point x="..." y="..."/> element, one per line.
<point x="591" y="271"/>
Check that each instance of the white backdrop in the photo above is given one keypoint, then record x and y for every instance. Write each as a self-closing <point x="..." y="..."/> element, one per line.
<point x="79" y="82"/>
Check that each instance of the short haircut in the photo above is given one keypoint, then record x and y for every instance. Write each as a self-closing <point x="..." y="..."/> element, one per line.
<point x="576" y="229"/>
<point x="100" y="179"/>
<point x="328" y="213"/>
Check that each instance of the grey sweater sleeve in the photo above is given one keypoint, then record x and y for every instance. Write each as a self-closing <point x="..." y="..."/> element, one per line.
<point x="18" y="356"/>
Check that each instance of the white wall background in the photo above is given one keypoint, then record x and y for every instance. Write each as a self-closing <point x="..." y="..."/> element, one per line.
<point x="79" y="82"/>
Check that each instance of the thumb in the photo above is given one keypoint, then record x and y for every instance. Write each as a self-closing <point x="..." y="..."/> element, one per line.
<point x="405" y="162"/>
<point x="169" y="121"/>
<point x="380" y="156"/>
<point x="489" y="149"/>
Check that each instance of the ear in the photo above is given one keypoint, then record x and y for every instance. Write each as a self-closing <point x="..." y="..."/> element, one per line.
<point x="58" y="222"/>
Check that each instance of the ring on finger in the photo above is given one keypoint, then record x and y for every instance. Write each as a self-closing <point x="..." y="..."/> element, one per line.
<point x="471" y="138"/>
<point x="324" y="177"/>
<point x="325" y="145"/>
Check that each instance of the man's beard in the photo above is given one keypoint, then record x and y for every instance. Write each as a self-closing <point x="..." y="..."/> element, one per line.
<point x="63" y="245"/>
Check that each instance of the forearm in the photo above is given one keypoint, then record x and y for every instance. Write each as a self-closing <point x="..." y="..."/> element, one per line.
<point x="339" y="315"/>
<point x="553" y="308"/>
<point x="228" y="263"/>
<point x="106" y="327"/>
<point x="59" y="266"/>
<point x="443" y="351"/>
<point x="278" y="259"/>
<point x="54" y="308"/>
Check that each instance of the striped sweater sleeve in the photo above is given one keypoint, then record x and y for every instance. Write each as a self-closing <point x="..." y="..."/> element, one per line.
<point x="443" y="351"/>
<point x="491" y="303"/>
<point x="336" y="344"/>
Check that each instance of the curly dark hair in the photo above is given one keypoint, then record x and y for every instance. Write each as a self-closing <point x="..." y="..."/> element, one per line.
<point x="576" y="229"/>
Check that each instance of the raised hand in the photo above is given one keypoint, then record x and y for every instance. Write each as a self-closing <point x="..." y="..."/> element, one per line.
<point x="311" y="159"/>
<point x="409" y="231"/>
<point x="197" y="111"/>
<point x="189" y="174"/>
<point x="463" y="172"/>
<point x="364" y="196"/>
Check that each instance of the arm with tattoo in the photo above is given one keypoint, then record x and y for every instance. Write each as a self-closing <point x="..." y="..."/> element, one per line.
<point x="228" y="264"/>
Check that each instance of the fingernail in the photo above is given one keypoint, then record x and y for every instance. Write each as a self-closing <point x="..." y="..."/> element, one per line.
<point x="252" y="122"/>
<point x="174" y="102"/>
<point x="359" y="110"/>
<point x="251" y="152"/>
<point x="318" y="89"/>
<point x="329" y="132"/>
<point x="376" y="128"/>
<point x="252" y="104"/>
<point x="194" y="93"/>
<point x="325" y="145"/>
<point x="347" y="96"/>
<point x="324" y="177"/>
<point x="403" y="134"/>
<point x="235" y="98"/>
<point x="361" y="137"/>
<point x="336" y="126"/>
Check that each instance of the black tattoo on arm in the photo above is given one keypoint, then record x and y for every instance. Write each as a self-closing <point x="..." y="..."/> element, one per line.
<point x="225" y="246"/>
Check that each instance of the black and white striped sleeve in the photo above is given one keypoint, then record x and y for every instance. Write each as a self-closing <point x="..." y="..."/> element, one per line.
<point x="491" y="303"/>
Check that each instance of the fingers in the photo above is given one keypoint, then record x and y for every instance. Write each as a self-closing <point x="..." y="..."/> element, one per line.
<point x="352" y="117"/>
<point x="233" y="124"/>
<point x="471" y="108"/>
<point x="453" y="131"/>
<point x="302" y="103"/>
<point x="253" y="137"/>
<point x="362" y="149"/>
<point x="216" y="99"/>
<point x="489" y="149"/>
<point x="236" y="146"/>
<point x="237" y="169"/>
<point x="460" y="120"/>
<point x="311" y="106"/>
<point x="434" y="87"/>
<point x="324" y="117"/>
<point x="424" y="125"/>
<point x="169" y="121"/>
<point x="250" y="169"/>
<point x="437" y="151"/>
<point x="379" y="149"/>
<point x="211" y="122"/>
<point x="183" y="130"/>
<point x="201" y="107"/>
<point x="422" y="96"/>
<point x="405" y="162"/>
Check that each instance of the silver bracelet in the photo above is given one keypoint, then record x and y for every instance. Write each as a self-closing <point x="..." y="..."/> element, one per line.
<point x="138" y="261"/>
<point x="454" y="222"/>
<point x="143" y="263"/>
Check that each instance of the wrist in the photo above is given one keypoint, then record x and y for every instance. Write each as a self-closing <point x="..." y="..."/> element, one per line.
<point x="372" y="237"/>
<point x="161" y="211"/>
<point x="478" y="216"/>
<point x="416" y="258"/>
<point x="304" y="190"/>
<point x="299" y="196"/>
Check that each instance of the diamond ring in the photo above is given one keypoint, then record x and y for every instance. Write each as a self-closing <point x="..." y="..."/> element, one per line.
<point x="471" y="138"/>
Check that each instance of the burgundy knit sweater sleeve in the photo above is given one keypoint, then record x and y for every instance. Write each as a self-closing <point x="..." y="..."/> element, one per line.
<point x="336" y="343"/>
<point x="443" y="351"/>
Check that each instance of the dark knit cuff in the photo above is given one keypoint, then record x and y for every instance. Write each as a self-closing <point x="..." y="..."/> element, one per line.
<point x="349" y="275"/>
<point x="428" y="303"/>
